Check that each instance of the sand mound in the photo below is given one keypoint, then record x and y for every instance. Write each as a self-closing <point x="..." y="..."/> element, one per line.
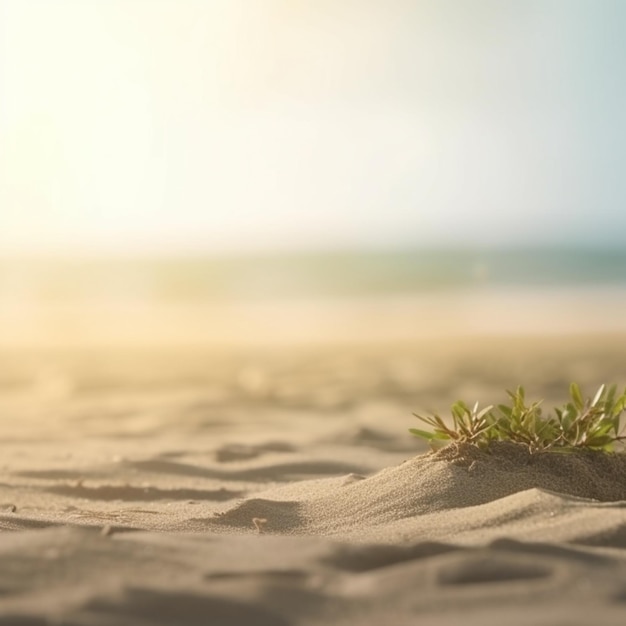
<point x="456" y="477"/>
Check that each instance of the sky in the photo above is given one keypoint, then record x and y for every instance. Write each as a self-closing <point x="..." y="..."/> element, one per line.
<point x="236" y="125"/>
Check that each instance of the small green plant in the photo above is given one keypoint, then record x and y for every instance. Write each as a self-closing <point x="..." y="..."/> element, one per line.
<point x="591" y="424"/>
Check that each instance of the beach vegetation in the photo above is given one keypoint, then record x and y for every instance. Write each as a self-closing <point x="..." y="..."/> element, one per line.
<point x="592" y="423"/>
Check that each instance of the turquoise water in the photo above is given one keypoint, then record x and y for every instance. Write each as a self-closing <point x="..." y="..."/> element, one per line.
<point x="293" y="275"/>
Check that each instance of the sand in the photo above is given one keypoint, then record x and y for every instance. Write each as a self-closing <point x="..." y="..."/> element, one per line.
<point x="282" y="487"/>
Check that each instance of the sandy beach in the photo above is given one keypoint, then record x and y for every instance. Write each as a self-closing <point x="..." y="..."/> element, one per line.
<point x="244" y="245"/>
<point x="271" y="487"/>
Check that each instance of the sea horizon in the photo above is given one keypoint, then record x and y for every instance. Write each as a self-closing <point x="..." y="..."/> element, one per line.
<point x="345" y="297"/>
<point x="284" y="275"/>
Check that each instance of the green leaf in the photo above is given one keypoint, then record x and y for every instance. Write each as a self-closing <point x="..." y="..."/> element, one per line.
<point x="443" y="434"/>
<point x="424" y="434"/>
<point x="574" y="391"/>
<point x="610" y="396"/>
<point x="598" y="395"/>
<point x="459" y="409"/>
<point x="506" y="410"/>
<point x="594" y="442"/>
<point x="484" y="411"/>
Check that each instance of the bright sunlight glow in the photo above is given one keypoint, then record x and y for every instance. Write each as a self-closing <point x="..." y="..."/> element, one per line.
<point x="243" y="124"/>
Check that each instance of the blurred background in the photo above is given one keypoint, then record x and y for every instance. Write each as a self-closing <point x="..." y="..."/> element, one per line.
<point x="240" y="175"/>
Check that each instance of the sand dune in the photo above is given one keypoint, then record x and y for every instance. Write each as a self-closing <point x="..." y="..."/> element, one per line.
<point x="453" y="479"/>
<point x="189" y="493"/>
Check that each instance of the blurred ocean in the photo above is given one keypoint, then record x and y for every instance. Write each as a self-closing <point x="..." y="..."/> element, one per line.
<point x="311" y="296"/>
<point x="340" y="274"/>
